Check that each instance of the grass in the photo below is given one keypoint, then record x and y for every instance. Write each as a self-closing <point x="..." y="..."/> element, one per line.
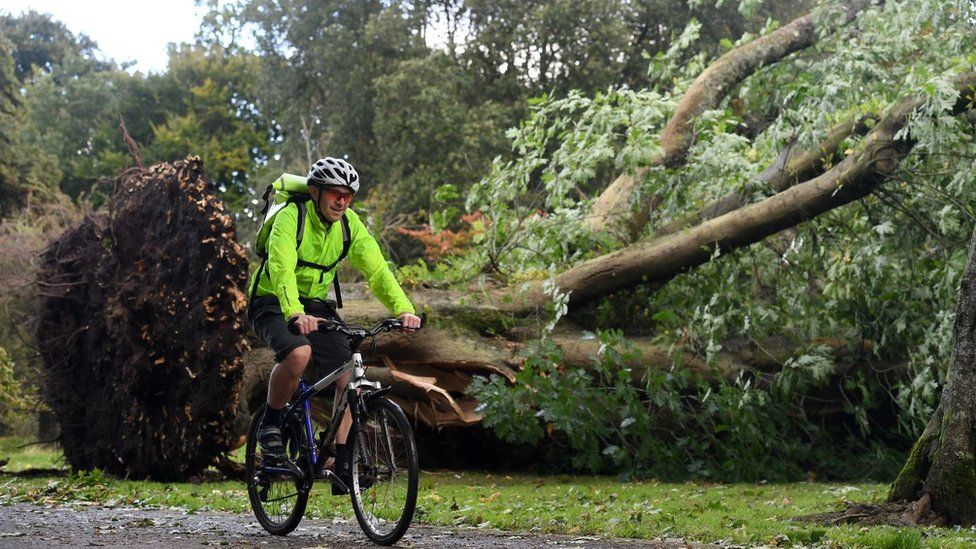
<point x="23" y="456"/>
<point x="753" y="514"/>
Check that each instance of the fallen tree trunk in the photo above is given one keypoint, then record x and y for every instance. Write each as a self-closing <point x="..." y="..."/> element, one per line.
<point x="612" y="209"/>
<point x="430" y="371"/>
<point x="140" y="328"/>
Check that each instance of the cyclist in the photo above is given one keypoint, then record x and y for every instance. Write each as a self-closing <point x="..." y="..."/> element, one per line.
<point x="294" y="286"/>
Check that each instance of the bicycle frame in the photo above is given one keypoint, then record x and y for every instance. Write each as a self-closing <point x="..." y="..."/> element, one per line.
<point x="306" y="392"/>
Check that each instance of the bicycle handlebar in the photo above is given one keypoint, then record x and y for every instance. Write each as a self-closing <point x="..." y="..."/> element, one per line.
<point x="385" y="325"/>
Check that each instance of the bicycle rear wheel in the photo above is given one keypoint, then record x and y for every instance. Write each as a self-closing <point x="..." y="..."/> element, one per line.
<point x="385" y="472"/>
<point x="278" y="499"/>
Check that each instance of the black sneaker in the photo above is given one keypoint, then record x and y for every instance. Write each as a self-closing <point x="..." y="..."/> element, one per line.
<point x="269" y="439"/>
<point x="346" y="479"/>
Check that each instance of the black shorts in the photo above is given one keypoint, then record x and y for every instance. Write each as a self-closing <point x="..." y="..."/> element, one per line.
<point x="330" y="350"/>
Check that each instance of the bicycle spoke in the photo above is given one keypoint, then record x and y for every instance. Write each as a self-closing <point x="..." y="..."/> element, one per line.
<point x="282" y="498"/>
<point x="388" y="442"/>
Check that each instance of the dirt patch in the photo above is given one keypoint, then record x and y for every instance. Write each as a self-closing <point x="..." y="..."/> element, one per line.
<point x="23" y="525"/>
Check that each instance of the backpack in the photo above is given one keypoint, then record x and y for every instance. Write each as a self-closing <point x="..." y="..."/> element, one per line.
<point x="293" y="189"/>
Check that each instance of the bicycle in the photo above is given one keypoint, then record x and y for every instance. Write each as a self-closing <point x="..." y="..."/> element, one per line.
<point x="385" y="468"/>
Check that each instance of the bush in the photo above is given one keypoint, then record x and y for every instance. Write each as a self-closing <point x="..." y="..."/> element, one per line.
<point x="671" y="425"/>
<point x="22" y="237"/>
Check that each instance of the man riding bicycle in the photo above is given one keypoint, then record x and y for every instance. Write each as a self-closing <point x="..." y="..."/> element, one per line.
<point x="294" y="287"/>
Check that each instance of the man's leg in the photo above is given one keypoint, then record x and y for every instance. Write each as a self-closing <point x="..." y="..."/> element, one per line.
<point x="343" y="461"/>
<point x="284" y="380"/>
<point x="286" y="375"/>
<point x="346" y="423"/>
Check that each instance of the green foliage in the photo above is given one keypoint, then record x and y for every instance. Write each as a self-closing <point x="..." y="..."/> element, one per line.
<point x="428" y="136"/>
<point x="22" y="237"/>
<point x="216" y="119"/>
<point x="10" y="188"/>
<point x="880" y="275"/>
<point x="25" y="172"/>
<point x="13" y="400"/>
<point x="41" y="44"/>
<point x="533" y="202"/>
<point x="666" y="424"/>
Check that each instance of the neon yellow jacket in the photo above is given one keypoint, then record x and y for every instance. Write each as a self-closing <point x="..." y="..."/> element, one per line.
<point x="322" y="244"/>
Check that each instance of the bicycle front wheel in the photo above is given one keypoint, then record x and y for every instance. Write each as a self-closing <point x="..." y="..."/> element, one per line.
<point x="385" y="472"/>
<point x="277" y="498"/>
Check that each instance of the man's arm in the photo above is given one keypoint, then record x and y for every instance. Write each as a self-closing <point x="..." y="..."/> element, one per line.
<point x="283" y="259"/>
<point x="366" y="256"/>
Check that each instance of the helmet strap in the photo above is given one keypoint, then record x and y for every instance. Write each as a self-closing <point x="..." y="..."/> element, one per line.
<point x="318" y="201"/>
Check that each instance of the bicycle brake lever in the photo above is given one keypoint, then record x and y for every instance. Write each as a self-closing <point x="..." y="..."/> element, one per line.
<point x="328" y="323"/>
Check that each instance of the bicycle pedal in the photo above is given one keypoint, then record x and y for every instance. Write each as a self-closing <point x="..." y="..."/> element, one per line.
<point x="321" y="474"/>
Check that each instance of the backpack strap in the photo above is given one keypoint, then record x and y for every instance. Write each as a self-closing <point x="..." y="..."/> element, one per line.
<point x="265" y="196"/>
<point x="299" y="234"/>
<point x="346" y="241"/>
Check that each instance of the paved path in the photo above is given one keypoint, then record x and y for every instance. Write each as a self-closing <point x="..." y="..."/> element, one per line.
<point x="25" y="525"/>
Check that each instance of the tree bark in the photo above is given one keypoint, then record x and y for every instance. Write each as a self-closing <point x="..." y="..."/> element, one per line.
<point x="942" y="465"/>
<point x="430" y="371"/>
<point x="612" y="209"/>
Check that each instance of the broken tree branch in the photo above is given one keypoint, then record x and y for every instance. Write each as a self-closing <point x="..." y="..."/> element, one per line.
<point x="612" y="209"/>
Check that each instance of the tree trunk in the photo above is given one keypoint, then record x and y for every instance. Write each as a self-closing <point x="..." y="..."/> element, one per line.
<point x="941" y="467"/>
<point x="430" y="371"/>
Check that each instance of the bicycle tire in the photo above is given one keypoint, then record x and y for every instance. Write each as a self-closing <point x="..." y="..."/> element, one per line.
<point x="278" y="520"/>
<point x="385" y="472"/>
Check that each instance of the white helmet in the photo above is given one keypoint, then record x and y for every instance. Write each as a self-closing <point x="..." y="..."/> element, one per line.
<point x="335" y="172"/>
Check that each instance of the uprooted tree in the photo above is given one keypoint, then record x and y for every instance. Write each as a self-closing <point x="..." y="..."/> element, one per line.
<point x="803" y="181"/>
<point x="140" y="328"/>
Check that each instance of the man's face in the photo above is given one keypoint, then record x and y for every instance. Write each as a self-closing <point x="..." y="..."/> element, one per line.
<point x="332" y="201"/>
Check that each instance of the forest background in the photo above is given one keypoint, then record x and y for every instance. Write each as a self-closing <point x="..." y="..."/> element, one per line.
<point x="485" y="131"/>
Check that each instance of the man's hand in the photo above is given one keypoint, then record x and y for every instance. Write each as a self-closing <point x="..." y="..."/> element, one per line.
<point x="306" y="323"/>
<point x="410" y="322"/>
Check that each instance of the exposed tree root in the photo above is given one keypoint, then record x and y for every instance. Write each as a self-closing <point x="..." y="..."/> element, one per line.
<point x="898" y="514"/>
<point x="141" y="328"/>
